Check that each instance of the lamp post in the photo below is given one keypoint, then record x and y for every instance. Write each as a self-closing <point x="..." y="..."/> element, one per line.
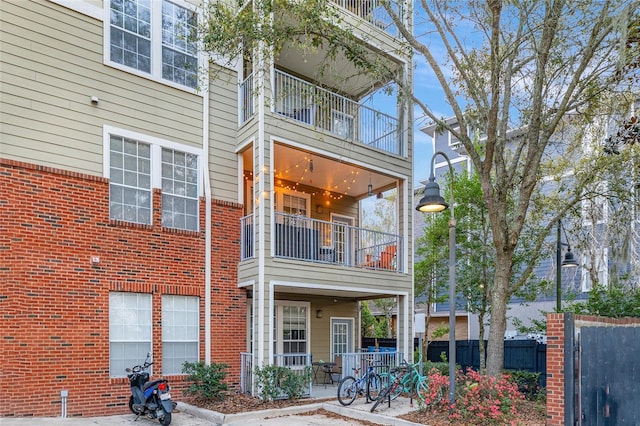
<point x="568" y="262"/>
<point x="433" y="202"/>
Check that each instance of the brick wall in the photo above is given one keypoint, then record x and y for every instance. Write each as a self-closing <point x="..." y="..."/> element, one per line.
<point x="555" y="369"/>
<point x="556" y="357"/>
<point x="54" y="300"/>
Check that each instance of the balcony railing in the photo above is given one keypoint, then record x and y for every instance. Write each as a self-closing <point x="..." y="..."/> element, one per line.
<point x="246" y="99"/>
<point x="302" y="238"/>
<point x="372" y="11"/>
<point x="246" y="236"/>
<point x="298" y="363"/>
<point x="304" y="102"/>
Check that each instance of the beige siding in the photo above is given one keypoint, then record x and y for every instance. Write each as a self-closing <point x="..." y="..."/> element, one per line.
<point x="223" y="116"/>
<point x="52" y="63"/>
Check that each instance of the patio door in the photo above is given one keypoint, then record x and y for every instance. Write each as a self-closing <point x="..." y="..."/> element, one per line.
<point x="341" y="336"/>
<point x="343" y="238"/>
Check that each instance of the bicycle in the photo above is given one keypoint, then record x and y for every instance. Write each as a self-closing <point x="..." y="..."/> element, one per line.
<point x="404" y="379"/>
<point x="350" y="388"/>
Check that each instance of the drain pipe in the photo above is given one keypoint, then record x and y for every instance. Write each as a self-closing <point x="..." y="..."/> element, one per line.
<point x="207" y="225"/>
<point x="63" y="395"/>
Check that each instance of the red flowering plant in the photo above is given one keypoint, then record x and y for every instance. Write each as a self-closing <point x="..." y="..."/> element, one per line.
<point x="480" y="399"/>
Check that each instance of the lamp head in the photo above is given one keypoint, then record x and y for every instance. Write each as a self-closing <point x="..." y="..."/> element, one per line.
<point x="432" y="201"/>
<point x="569" y="261"/>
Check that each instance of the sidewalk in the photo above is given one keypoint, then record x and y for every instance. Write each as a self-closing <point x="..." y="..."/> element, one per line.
<point x="188" y="415"/>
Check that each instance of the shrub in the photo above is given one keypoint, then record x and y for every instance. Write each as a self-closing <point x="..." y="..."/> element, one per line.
<point x="480" y="399"/>
<point x="528" y="383"/>
<point x="207" y="379"/>
<point x="276" y="382"/>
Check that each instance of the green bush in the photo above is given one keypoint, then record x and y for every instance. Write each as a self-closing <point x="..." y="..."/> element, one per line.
<point x="277" y="382"/>
<point x="207" y="379"/>
<point x="528" y="383"/>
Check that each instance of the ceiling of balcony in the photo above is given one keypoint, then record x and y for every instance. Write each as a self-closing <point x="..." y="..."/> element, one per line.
<point x="294" y="165"/>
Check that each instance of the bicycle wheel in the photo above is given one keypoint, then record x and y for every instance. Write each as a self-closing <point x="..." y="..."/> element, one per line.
<point x="347" y="390"/>
<point x="389" y="379"/>
<point x="374" y="386"/>
<point x="383" y="395"/>
<point x="422" y="388"/>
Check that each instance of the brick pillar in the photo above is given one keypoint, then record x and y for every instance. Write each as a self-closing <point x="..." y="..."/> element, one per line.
<point x="555" y="369"/>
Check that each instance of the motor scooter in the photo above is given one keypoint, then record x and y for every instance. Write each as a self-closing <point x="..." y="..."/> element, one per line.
<point x="149" y="398"/>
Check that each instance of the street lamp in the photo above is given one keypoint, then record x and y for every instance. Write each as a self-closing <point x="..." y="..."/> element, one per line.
<point x="568" y="262"/>
<point x="433" y="202"/>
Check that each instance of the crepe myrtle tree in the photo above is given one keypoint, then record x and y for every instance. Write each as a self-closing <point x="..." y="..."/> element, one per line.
<point x="525" y="65"/>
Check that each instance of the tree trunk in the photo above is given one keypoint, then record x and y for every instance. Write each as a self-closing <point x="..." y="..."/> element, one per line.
<point x="481" y="351"/>
<point x="499" y="297"/>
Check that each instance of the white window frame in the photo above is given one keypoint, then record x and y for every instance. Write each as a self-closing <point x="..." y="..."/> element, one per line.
<point x="156" y="144"/>
<point x="599" y="202"/>
<point x="602" y="268"/>
<point x="180" y="330"/>
<point x="155" y="73"/>
<point x="130" y="338"/>
<point x="278" y="344"/>
<point x="453" y="142"/>
<point x="178" y="192"/>
<point x="138" y="193"/>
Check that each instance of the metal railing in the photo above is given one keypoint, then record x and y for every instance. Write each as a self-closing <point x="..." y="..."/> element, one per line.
<point x="247" y="107"/>
<point x="246" y="237"/>
<point x="303" y="238"/>
<point x="362" y="360"/>
<point x="246" y="372"/>
<point x="304" y="102"/>
<point x="372" y="11"/>
<point x="298" y="363"/>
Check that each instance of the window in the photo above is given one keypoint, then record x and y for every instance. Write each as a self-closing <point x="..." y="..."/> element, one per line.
<point x="597" y="264"/>
<point x="294" y="329"/>
<point x="129" y="330"/>
<point x="154" y="38"/>
<point x="595" y="208"/>
<point x="179" y="190"/>
<point x="136" y="163"/>
<point x="454" y="142"/>
<point x="130" y="185"/>
<point x="180" y="332"/>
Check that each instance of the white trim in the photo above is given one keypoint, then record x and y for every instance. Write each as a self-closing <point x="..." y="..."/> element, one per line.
<point x="340" y="287"/>
<point x="83" y="7"/>
<point x="156" y="152"/>
<point x="156" y="46"/>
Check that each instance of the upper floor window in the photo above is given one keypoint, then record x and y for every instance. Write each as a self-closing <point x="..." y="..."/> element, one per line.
<point x="154" y="38"/>
<point x="137" y="163"/>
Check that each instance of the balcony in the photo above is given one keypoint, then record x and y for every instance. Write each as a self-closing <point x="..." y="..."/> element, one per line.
<point x="301" y="101"/>
<point x="373" y="12"/>
<point x="311" y="240"/>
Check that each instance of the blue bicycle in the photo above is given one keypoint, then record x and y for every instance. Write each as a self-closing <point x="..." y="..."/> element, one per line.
<point x="369" y="385"/>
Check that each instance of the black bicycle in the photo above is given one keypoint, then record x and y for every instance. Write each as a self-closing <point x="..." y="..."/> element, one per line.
<point x="369" y="385"/>
<point x="397" y="376"/>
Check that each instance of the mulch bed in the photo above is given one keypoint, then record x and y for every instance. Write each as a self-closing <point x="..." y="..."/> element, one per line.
<point x="531" y="413"/>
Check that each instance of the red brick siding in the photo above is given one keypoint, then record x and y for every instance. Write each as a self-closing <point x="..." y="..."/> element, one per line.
<point x="54" y="301"/>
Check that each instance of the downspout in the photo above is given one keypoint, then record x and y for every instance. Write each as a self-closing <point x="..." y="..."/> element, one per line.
<point x="207" y="220"/>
